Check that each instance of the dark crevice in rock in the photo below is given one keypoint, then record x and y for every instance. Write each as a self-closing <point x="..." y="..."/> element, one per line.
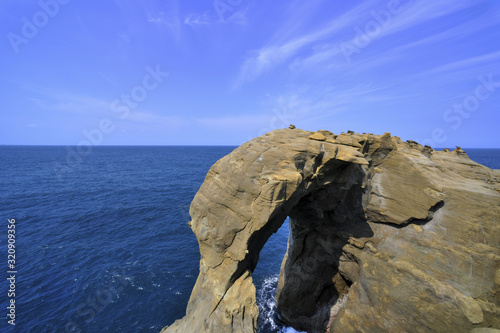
<point x="347" y="281"/>
<point x="321" y="224"/>
<point x="429" y="218"/>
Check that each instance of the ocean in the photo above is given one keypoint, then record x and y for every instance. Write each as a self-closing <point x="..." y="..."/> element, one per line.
<point x="102" y="242"/>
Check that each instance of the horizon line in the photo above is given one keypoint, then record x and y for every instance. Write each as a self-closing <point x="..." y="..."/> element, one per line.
<point x="177" y="145"/>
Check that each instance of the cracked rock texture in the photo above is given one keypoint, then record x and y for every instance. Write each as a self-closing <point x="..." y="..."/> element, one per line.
<point x="385" y="236"/>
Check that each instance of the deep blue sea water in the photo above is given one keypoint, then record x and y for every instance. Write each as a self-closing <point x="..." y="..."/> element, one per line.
<point x="102" y="243"/>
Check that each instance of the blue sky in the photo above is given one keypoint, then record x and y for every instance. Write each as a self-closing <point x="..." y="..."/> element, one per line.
<point x="222" y="72"/>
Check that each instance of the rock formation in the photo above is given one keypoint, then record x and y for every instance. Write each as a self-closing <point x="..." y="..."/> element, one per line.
<point x="385" y="236"/>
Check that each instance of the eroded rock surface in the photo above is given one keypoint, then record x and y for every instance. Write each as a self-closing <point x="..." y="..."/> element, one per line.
<point x="385" y="236"/>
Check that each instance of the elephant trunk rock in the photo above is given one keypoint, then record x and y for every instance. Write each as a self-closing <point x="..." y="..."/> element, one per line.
<point x="385" y="235"/>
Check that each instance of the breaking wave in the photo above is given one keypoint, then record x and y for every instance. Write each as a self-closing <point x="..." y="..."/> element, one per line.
<point x="269" y="320"/>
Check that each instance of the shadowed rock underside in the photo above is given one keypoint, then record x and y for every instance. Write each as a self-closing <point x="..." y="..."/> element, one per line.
<point x="385" y="236"/>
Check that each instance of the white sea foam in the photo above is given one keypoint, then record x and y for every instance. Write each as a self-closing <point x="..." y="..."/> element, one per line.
<point x="268" y="313"/>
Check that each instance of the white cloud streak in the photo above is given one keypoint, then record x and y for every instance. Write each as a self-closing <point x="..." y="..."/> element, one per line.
<point x="276" y="54"/>
<point x="198" y="19"/>
<point x="413" y="13"/>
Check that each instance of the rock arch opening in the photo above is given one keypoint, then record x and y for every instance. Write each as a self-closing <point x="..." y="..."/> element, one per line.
<point x="245" y="198"/>
<point x="316" y="273"/>
<point x="265" y="278"/>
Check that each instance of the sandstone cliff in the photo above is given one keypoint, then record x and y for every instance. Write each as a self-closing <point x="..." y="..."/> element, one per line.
<point x="385" y="236"/>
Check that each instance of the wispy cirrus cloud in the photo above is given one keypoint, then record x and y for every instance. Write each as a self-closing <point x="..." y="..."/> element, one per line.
<point x="194" y="19"/>
<point x="162" y="18"/>
<point x="238" y="17"/>
<point x="74" y="104"/>
<point x="320" y="47"/>
<point x="283" y="48"/>
<point x="148" y="117"/>
<point x="169" y="19"/>
<point x="238" y="122"/>
<point x="491" y="59"/>
<point x="52" y="99"/>
<point x="313" y="103"/>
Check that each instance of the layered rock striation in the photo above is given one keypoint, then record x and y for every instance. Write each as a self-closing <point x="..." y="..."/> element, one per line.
<point x="385" y="236"/>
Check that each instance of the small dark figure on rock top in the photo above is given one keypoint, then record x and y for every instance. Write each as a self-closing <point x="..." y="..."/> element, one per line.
<point x="459" y="151"/>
